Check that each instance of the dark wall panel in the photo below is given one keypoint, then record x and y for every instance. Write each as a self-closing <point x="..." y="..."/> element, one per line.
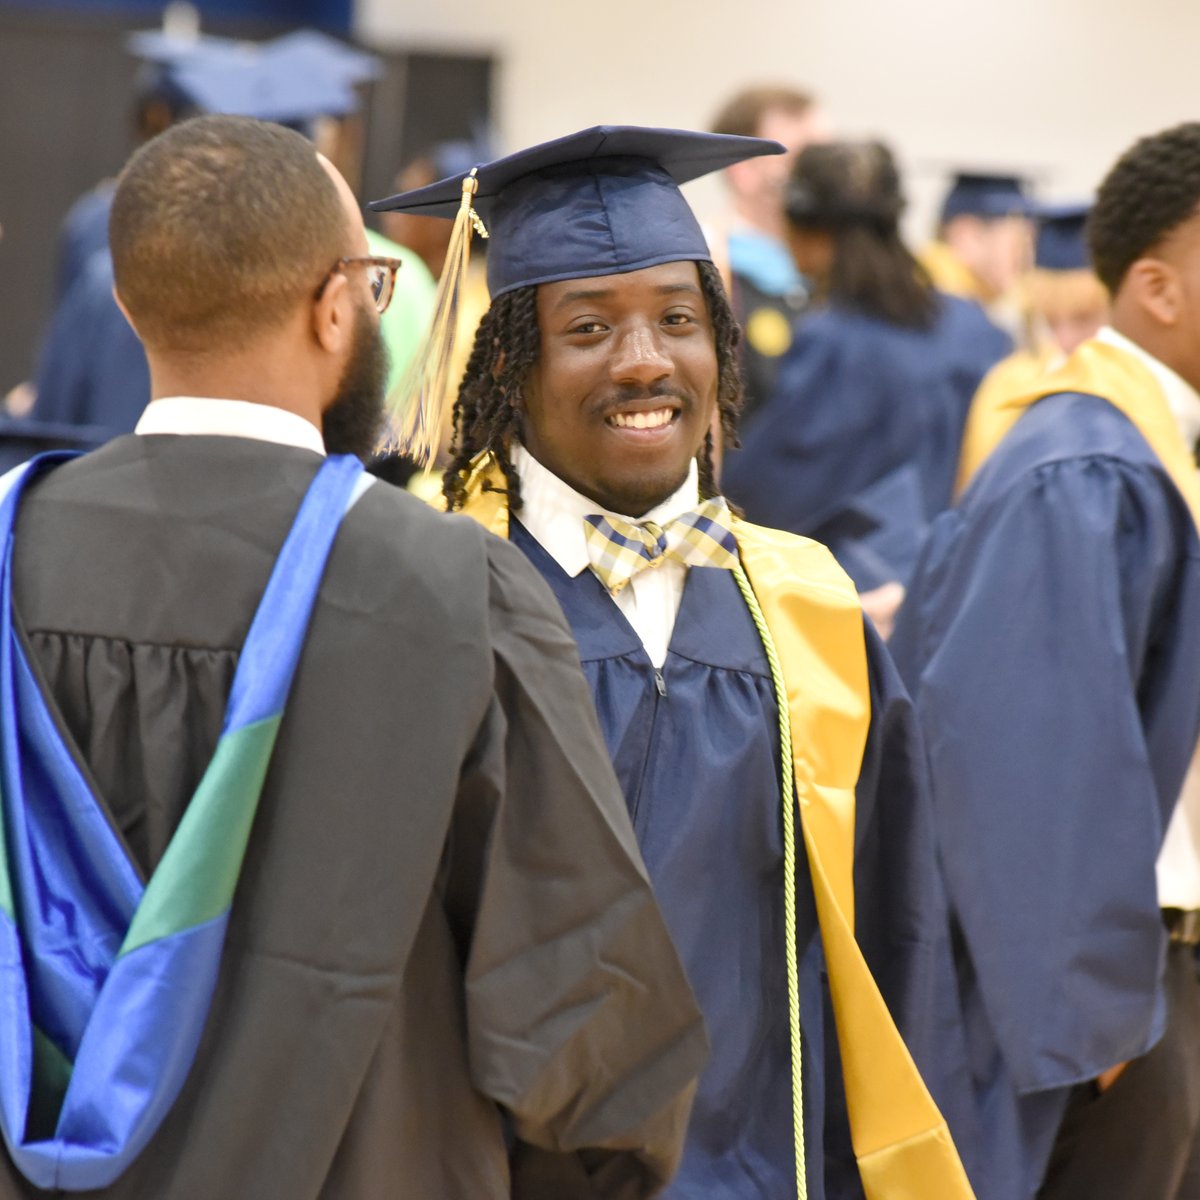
<point x="333" y="15"/>
<point x="423" y="99"/>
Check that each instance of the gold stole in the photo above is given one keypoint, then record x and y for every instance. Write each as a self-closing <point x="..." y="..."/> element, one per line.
<point x="1095" y="369"/>
<point x="948" y="273"/>
<point x="901" y="1140"/>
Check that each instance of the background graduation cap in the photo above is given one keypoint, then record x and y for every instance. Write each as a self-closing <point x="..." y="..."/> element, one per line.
<point x="312" y="55"/>
<point x="257" y="81"/>
<point x="603" y="201"/>
<point x="979" y="194"/>
<point x="1062" y="238"/>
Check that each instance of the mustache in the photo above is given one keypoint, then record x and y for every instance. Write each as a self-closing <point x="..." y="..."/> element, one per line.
<point x="634" y="394"/>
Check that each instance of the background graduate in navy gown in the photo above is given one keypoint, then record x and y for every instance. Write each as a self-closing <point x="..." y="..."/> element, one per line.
<point x="92" y="368"/>
<point x="1051" y="639"/>
<point x="983" y="245"/>
<point x="1065" y="305"/>
<point x="596" y="375"/>
<point x="859" y="443"/>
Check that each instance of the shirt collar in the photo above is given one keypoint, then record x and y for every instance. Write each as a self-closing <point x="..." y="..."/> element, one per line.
<point x="553" y="511"/>
<point x="230" y="418"/>
<point x="1182" y="399"/>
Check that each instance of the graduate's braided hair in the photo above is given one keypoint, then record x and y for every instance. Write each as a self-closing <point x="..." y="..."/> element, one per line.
<point x="1153" y="188"/>
<point x="487" y="414"/>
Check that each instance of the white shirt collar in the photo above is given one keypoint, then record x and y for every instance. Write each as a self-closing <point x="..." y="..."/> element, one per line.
<point x="1182" y="399"/>
<point x="553" y="511"/>
<point x="230" y="418"/>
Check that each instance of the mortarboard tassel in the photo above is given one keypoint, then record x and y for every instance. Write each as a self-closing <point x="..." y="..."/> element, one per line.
<point x="422" y="400"/>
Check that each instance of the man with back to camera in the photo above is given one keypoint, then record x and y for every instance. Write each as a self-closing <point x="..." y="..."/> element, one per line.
<point x="365" y="937"/>
<point x="730" y="667"/>
<point x="1051" y="638"/>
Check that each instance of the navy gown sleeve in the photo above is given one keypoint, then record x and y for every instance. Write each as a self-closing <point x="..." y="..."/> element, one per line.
<point x="92" y="369"/>
<point x="84" y="232"/>
<point x="60" y="378"/>
<point x="826" y="458"/>
<point x="1051" y="639"/>
<point x="901" y="915"/>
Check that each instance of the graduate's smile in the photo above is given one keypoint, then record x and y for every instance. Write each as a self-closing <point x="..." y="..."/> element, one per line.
<point x="645" y="425"/>
<point x="656" y="418"/>
<point x="625" y="386"/>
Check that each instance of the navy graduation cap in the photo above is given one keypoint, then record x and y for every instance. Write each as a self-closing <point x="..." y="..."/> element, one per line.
<point x="977" y="194"/>
<point x="597" y="202"/>
<point x="603" y="201"/>
<point x="162" y="47"/>
<point x="1061" y="238"/>
<point x="258" y="81"/>
<point x="310" y="53"/>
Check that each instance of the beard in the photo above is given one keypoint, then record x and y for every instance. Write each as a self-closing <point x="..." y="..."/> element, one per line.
<point x="353" y="422"/>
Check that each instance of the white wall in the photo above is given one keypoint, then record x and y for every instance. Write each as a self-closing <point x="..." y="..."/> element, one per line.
<point x="1058" y="87"/>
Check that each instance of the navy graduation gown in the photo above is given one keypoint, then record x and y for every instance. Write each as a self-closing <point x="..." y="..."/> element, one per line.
<point x="84" y="231"/>
<point x="92" y="370"/>
<point x="858" y="446"/>
<point x="696" y="749"/>
<point x="1051" y="639"/>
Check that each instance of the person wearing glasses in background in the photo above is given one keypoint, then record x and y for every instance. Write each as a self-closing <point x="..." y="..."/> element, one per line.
<point x="256" y="940"/>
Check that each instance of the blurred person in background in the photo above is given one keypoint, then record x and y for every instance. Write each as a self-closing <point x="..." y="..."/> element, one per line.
<point x="1065" y="304"/>
<point x="1051" y="642"/>
<point x="858" y="445"/>
<point x="765" y="288"/>
<point x="257" y="943"/>
<point x="92" y="369"/>
<point x="984" y="244"/>
<point x="731" y="668"/>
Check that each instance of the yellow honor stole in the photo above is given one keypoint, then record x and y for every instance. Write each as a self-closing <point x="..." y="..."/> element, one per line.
<point x="1095" y="369"/>
<point x="814" y="620"/>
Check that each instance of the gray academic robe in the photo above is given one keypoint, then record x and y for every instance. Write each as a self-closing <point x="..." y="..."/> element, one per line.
<point x="442" y="912"/>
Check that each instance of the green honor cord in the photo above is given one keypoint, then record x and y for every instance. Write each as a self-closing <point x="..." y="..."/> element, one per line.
<point x="787" y="790"/>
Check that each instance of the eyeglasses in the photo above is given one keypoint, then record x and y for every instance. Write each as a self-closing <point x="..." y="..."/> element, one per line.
<point x="381" y="276"/>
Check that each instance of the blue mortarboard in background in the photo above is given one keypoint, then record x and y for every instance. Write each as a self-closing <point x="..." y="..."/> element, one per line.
<point x="982" y="195"/>
<point x="458" y="156"/>
<point x="317" y="54"/>
<point x="293" y="79"/>
<point x="163" y="47"/>
<point x="256" y="81"/>
<point x="1061" y="238"/>
<point x="599" y="202"/>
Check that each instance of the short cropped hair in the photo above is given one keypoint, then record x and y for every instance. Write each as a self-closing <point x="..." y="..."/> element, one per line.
<point x="219" y="227"/>
<point x="1152" y="190"/>
<point x="743" y="114"/>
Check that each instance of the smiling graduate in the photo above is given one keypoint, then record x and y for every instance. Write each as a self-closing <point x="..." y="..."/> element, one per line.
<point x="766" y="749"/>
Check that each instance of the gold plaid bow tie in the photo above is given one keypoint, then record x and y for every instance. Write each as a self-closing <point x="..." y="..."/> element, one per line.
<point x="618" y="550"/>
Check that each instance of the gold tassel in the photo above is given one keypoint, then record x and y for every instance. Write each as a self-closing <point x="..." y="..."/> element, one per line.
<point x="422" y="401"/>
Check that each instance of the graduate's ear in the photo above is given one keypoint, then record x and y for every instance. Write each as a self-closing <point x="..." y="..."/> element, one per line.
<point x="1157" y="288"/>
<point x="333" y="314"/>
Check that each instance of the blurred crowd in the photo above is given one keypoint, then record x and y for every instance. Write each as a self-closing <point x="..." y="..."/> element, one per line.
<point x="992" y="433"/>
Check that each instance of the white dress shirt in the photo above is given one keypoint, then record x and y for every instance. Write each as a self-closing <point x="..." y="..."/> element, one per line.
<point x="1179" y="859"/>
<point x="553" y="512"/>
<point x="230" y="418"/>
